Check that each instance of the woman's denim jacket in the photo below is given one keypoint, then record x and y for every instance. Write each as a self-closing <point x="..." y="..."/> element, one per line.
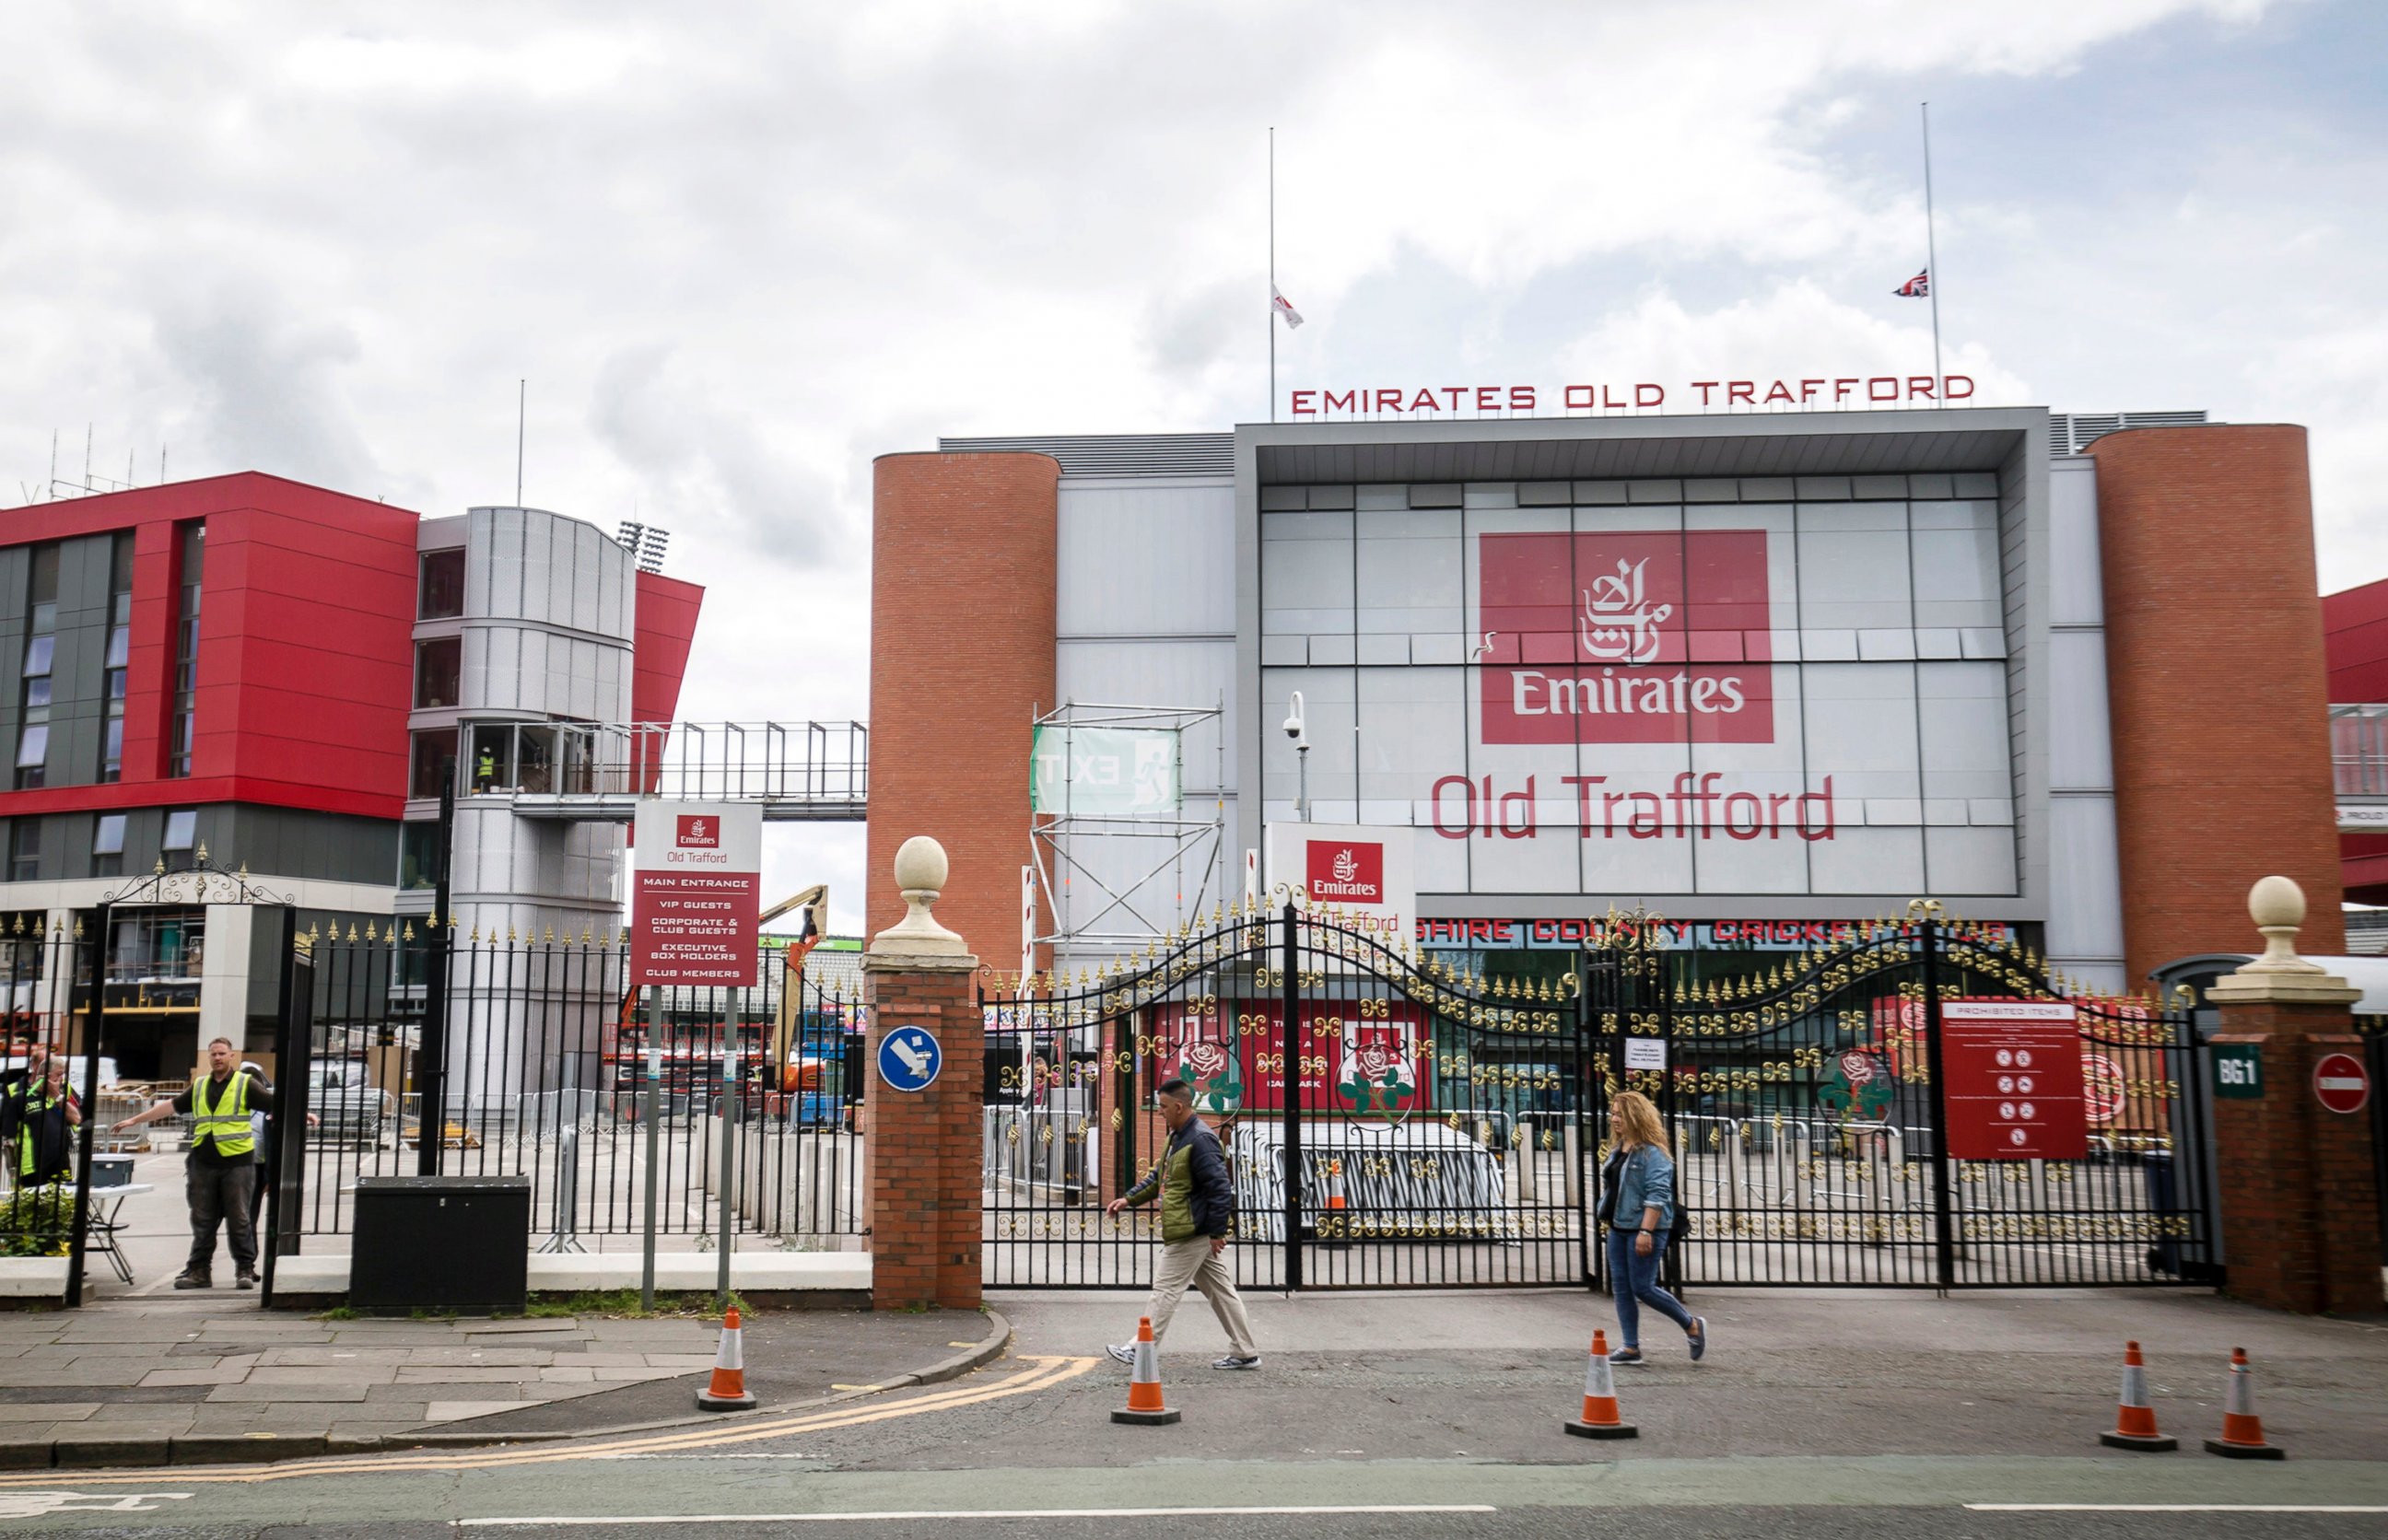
<point x="1646" y="1180"/>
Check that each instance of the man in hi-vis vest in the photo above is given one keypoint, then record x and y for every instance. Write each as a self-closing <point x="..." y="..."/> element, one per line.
<point x="221" y="1168"/>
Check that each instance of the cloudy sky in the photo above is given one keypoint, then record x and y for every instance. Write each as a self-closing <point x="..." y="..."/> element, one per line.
<point x="738" y="250"/>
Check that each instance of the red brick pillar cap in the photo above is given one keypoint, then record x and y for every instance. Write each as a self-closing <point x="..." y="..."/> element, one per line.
<point x="2280" y="975"/>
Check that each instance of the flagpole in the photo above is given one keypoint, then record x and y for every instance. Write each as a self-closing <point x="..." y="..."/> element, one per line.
<point x="1271" y="265"/>
<point x="1931" y="262"/>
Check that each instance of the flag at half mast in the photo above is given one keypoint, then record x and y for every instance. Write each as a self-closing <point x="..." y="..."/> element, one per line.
<point x="1917" y="287"/>
<point x="1284" y="307"/>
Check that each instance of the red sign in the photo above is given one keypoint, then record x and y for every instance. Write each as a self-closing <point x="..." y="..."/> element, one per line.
<point x="1627" y="637"/>
<point x="2014" y="1088"/>
<point x="2107" y="1090"/>
<point x="695" y="897"/>
<point x="1345" y="871"/>
<point x="2342" y="1082"/>
<point x="1363" y="1067"/>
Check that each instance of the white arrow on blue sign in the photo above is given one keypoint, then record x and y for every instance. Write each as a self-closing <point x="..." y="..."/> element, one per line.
<point x="910" y="1058"/>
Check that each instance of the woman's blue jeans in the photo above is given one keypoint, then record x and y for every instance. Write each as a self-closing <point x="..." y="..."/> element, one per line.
<point x="1635" y="1281"/>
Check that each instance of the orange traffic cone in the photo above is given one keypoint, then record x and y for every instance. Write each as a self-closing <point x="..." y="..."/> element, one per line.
<point x="1600" y="1418"/>
<point x="2243" y="1430"/>
<point x="728" y="1392"/>
<point x="2135" y="1421"/>
<point x="1336" y="1233"/>
<point x="1144" y="1385"/>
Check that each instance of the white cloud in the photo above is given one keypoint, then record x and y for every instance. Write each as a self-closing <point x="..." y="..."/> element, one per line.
<point x="739" y="252"/>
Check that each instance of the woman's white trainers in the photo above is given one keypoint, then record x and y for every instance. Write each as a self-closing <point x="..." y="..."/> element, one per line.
<point x="1123" y="1351"/>
<point x="1232" y="1361"/>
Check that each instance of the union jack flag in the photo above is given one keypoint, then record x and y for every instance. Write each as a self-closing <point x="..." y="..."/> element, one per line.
<point x="1917" y="287"/>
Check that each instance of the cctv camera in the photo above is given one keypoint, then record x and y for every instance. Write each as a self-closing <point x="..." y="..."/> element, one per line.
<point x="1293" y="717"/>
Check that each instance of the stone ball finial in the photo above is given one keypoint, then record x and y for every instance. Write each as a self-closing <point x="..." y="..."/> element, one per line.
<point x="2275" y="902"/>
<point x="920" y="871"/>
<point x="921" y="867"/>
<point x="2278" y="907"/>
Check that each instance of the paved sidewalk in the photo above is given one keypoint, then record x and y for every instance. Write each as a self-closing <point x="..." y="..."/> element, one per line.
<point x="140" y="1381"/>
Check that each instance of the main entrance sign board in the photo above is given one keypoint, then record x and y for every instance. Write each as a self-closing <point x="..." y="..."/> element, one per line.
<point x="696" y="906"/>
<point x="2015" y="1086"/>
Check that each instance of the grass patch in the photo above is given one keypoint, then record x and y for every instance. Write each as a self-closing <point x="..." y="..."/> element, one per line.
<point x="624" y="1304"/>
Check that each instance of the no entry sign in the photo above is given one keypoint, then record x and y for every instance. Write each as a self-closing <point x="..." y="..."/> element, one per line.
<point x="2014" y="1089"/>
<point x="698" y="869"/>
<point x="2342" y="1082"/>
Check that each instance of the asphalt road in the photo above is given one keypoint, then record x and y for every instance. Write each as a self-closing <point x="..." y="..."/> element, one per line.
<point x="1401" y="1416"/>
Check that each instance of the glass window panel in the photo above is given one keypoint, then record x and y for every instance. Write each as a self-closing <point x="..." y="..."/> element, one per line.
<point x="182" y="829"/>
<point x="120" y="646"/>
<point x="33" y="748"/>
<point x="443" y="584"/>
<point x="39" y="651"/>
<point x="107" y="835"/>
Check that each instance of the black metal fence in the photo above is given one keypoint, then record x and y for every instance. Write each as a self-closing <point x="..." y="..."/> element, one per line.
<point x="534" y="1057"/>
<point x="1395" y="1122"/>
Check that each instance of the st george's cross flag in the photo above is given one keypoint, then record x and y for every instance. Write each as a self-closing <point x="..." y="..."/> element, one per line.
<point x="1917" y="287"/>
<point x="1284" y="307"/>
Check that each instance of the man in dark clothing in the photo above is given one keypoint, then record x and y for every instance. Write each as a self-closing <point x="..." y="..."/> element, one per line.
<point x="221" y="1169"/>
<point x="13" y="1081"/>
<point x="40" y="1115"/>
<point x="1198" y="1209"/>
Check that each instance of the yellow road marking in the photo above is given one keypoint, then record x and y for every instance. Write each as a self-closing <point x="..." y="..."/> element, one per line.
<point x="1039" y="1373"/>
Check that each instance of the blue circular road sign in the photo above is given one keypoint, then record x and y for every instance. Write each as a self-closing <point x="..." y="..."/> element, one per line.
<point x="910" y="1058"/>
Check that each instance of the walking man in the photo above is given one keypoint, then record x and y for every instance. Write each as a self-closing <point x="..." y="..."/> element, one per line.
<point x="221" y="1172"/>
<point x="1198" y="1208"/>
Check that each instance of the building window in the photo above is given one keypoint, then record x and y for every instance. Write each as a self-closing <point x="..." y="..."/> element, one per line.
<point x="436" y="665"/>
<point x="434" y="764"/>
<point x="181" y="834"/>
<point x="41" y="657"/>
<point x="120" y="653"/>
<point x="418" y="854"/>
<point x="183" y="731"/>
<point x="443" y="584"/>
<point x="108" y="845"/>
<point x="24" y="849"/>
<point x="156" y="946"/>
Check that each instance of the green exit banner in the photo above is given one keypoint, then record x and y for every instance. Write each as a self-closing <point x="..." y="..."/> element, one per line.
<point x="2238" y="1071"/>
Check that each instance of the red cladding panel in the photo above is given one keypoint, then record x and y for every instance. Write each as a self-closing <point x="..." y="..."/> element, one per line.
<point x="306" y="645"/>
<point x="2354" y="626"/>
<point x="666" y="629"/>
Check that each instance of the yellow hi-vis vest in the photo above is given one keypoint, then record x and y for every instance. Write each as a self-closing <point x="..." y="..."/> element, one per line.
<point x="227" y="1121"/>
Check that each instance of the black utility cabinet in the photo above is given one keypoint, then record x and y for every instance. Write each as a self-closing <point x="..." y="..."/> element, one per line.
<point x="441" y="1243"/>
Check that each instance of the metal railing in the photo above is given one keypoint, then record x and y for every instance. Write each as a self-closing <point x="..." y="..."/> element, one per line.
<point x="2358" y="750"/>
<point x="590" y="770"/>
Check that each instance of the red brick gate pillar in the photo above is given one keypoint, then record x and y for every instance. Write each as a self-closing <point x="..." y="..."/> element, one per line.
<point x="923" y="1148"/>
<point x="2299" y="1216"/>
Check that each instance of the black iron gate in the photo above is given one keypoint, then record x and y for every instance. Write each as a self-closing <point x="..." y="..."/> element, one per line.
<point x="1395" y="1123"/>
<point x="1820" y="1138"/>
<point x="1391" y="1122"/>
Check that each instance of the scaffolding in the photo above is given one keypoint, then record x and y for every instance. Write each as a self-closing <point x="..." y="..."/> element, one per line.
<point x="1115" y="860"/>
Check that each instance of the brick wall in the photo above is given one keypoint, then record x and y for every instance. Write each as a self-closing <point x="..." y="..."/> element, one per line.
<point x="2216" y="684"/>
<point x="964" y="568"/>
<point x="926" y="1164"/>
<point x="2300" y="1213"/>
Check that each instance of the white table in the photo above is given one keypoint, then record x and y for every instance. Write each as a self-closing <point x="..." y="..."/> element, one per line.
<point x="100" y="1234"/>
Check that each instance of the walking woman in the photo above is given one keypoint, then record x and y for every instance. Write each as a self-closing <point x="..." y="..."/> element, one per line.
<point x="1637" y="1203"/>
